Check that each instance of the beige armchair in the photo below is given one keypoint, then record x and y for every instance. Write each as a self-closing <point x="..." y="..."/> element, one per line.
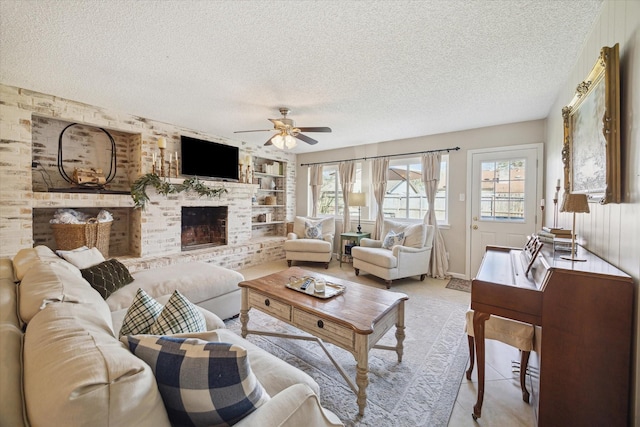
<point x="405" y="250"/>
<point x="311" y="240"/>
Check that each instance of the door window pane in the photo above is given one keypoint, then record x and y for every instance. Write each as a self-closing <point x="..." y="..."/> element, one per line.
<point x="502" y="190"/>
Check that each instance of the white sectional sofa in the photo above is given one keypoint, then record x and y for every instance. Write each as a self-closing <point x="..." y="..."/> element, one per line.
<point x="62" y="362"/>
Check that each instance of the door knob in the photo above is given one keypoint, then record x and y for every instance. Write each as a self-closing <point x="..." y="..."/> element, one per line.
<point x="475" y="218"/>
<point x="475" y="227"/>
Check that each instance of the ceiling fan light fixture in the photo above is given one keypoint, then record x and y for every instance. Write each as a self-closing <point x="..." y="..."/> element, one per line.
<point x="278" y="141"/>
<point x="290" y="141"/>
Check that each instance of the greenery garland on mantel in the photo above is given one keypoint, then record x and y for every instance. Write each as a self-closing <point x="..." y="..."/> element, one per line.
<point x="139" y="188"/>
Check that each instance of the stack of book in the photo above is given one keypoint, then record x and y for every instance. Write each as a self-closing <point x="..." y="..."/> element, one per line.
<point x="549" y="234"/>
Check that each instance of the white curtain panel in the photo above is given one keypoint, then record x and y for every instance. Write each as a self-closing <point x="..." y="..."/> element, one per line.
<point x="315" y="182"/>
<point x="379" y="181"/>
<point x="347" y="173"/>
<point x="439" y="264"/>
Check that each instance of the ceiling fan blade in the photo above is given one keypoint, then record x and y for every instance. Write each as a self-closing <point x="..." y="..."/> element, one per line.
<point x="315" y="129"/>
<point x="257" y="130"/>
<point x="306" y="139"/>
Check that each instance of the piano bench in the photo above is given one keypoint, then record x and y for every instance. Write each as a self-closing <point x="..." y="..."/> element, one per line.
<point x="511" y="332"/>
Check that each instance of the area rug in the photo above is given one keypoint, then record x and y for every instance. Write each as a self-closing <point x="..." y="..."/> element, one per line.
<point x="419" y="391"/>
<point x="459" y="285"/>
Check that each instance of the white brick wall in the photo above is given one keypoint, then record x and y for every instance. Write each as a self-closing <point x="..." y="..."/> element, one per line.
<point x="30" y="123"/>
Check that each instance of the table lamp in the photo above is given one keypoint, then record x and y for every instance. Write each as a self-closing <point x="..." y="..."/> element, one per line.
<point x="575" y="203"/>
<point x="359" y="200"/>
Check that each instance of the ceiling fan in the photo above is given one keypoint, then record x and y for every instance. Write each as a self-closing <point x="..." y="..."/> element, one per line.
<point x="287" y="132"/>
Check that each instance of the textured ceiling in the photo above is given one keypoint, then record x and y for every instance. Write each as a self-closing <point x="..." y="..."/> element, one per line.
<point x="371" y="70"/>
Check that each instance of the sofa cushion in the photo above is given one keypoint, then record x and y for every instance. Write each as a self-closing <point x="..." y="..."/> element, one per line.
<point x="179" y="315"/>
<point x="378" y="256"/>
<point x="83" y="257"/>
<point x="45" y="283"/>
<point x="392" y="239"/>
<point x="197" y="281"/>
<point x="141" y="315"/>
<point x="202" y="383"/>
<point x="28" y="257"/>
<point x="307" y="245"/>
<point x="75" y="369"/>
<point x="107" y="277"/>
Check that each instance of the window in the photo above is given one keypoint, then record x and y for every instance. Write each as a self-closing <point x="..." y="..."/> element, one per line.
<point x="330" y="201"/>
<point x="503" y="190"/>
<point x="406" y="197"/>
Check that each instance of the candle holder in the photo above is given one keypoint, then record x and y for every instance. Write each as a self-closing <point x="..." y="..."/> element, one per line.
<point x="162" y="170"/>
<point x="555" y="206"/>
<point x="542" y="209"/>
<point x="176" y="165"/>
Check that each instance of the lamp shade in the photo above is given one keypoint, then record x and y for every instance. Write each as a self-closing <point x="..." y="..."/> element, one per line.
<point x="357" y="199"/>
<point x="576" y="203"/>
<point x="278" y="141"/>
<point x="290" y="141"/>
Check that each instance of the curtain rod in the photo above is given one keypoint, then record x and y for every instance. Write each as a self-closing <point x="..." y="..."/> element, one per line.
<point x="378" y="157"/>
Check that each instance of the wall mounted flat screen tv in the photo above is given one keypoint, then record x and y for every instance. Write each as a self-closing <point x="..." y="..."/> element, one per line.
<point x="209" y="160"/>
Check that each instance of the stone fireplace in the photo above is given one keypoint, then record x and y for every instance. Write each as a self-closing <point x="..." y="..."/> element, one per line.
<point x="203" y="227"/>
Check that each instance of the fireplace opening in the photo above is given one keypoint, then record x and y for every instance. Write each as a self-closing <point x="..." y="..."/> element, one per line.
<point x="203" y="227"/>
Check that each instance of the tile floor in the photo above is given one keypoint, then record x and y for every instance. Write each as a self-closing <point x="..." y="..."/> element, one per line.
<point x="503" y="405"/>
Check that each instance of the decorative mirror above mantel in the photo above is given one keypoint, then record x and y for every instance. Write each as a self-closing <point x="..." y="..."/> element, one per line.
<point x="591" y="149"/>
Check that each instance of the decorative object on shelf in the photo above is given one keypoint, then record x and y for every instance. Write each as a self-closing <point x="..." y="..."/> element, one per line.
<point x="140" y="197"/>
<point x="591" y="151"/>
<point x="542" y="209"/>
<point x="270" y="200"/>
<point x="93" y="179"/>
<point x="89" y="176"/>
<point x="162" y="145"/>
<point x="177" y="164"/>
<point x="73" y="229"/>
<point x="575" y="203"/>
<point x="555" y="205"/>
<point x="359" y="200"/>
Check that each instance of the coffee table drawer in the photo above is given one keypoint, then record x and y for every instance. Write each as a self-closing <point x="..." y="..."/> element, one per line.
<point x="270" y="306"/>
<point x="324" y="329"/>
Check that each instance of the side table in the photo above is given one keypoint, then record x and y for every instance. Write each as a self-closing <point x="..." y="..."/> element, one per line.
<point x="351" y="237"/>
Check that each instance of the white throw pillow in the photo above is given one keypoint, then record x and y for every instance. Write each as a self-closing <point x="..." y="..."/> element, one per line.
<point x="84" y="259"/>
<point x="392" y="239"/>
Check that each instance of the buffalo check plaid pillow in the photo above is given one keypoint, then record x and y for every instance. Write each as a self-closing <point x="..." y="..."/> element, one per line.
<point x="201" y="383"/>
<point x="179" y="315"/>
<point x="142" y="313"/>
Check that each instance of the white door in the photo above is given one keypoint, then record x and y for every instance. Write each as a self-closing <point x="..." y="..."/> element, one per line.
<point x="505" y="198"/>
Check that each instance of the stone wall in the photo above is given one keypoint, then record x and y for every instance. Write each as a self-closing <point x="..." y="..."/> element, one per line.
<point x="30" y="123"/>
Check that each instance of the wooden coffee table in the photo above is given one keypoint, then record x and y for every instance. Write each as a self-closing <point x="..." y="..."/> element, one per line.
<point x="354" y="320"/>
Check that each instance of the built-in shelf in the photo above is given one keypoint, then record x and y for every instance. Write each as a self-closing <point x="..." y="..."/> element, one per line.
<point x="270" y="185"/>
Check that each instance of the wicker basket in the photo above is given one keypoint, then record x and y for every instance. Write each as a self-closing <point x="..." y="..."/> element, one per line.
<point x="91" y="234"/>
<point x="270" y="200"/>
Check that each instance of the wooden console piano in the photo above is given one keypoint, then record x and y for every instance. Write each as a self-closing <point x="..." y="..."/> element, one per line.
<point x="585" y="310"/>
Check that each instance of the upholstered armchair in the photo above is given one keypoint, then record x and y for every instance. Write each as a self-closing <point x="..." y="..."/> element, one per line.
<point x="405" y="250"/>
<point x="311" y="240"/>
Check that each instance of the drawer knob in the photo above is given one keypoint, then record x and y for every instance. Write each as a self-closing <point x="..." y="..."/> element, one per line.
<point x="267" y="302"/>
<point x="320" y="324"/>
